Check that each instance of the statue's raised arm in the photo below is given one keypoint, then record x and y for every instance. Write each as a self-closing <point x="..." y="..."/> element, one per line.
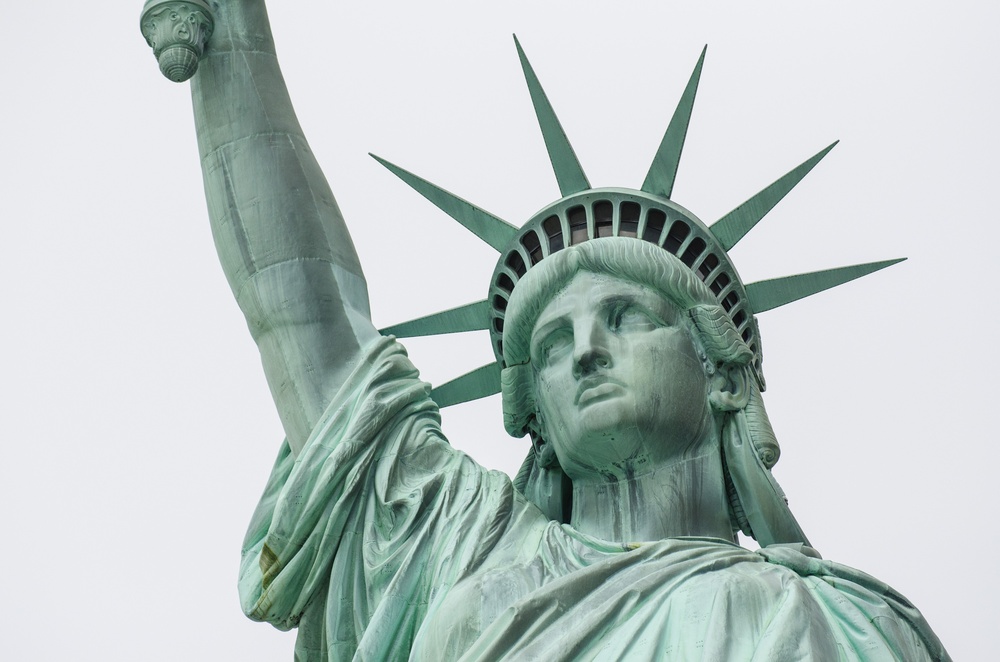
<point x="281" y="238"/>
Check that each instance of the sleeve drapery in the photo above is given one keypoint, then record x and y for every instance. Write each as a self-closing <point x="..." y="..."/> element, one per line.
<point x="352" y="540"/>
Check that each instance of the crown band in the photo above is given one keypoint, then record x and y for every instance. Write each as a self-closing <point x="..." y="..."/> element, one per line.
<point x="615" y="212"/>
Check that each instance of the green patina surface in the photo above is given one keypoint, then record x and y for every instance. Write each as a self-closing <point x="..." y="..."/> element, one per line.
<point x="627" y="351"/>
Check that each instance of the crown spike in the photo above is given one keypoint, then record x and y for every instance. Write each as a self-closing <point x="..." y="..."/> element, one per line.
<point x="768" y="294"/>
<point x="569" y="173"/>
<point x="493" y="230"/>
<point x="479" y="383"/>
<point x="660" y="178"/>
<point x="470" y="317"/>
<point x="736" y="224"/>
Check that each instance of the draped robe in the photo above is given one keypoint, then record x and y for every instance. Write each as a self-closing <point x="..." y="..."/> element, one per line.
<point x="382" y="542"/>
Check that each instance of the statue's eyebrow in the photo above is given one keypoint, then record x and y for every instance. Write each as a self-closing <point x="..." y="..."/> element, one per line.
<point x="651" y="302"/>
<point x="618" y="297"/>
<point x="647" y="300"/>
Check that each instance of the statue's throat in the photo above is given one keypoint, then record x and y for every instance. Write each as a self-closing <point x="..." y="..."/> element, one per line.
<point x="684" y="498"/>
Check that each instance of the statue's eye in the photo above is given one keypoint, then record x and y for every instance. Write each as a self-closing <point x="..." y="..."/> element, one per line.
<point x="554" y="346"/>
<point x="627" y="316"/>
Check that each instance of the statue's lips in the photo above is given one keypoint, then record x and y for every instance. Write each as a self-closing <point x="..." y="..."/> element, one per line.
<point x="595" y="390"/>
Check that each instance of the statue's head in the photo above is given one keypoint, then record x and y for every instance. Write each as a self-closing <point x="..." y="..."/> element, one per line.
<point x="619" y="358"/>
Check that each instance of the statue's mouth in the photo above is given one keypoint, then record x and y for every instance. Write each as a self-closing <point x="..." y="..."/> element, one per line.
<point x="596" y="389"/>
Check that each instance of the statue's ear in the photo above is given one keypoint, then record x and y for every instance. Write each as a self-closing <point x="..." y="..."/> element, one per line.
<point x="730" y="389"/>
<point x="535" y="426"/>
<point x="545" y="453"/>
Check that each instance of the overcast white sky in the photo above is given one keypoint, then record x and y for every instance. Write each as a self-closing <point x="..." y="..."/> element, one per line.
<point x="137" y="426"/>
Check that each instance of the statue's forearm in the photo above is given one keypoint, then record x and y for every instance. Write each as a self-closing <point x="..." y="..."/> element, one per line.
<point x="281" y="238"/>
<point x="258" y="168"/>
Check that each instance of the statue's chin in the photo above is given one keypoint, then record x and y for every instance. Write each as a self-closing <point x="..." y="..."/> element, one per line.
<point x="627" y="457"/>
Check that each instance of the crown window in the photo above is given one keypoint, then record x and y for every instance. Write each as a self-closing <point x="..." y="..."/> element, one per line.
<point x="553" y="230"/>
<point x="694" y="249"/>
<point x="655" y="220"/>
<point x="678" y="233"/>
<point x="719" y="284"/>
<point x="707" y="265"/>
<point x="516" y="264"/>
<point x="506" y="284"/>
<point x="577" y="224"/>
<point x="603" y="218"/>
<point x="628" y="225"/>
<point x="533" y="246"/>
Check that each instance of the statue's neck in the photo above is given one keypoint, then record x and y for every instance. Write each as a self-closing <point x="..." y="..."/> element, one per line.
<point x="685" y="498"/>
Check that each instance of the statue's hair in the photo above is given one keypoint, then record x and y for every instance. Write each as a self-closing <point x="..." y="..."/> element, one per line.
<point x="717" y="336"/>
<point x="712" y="331"/>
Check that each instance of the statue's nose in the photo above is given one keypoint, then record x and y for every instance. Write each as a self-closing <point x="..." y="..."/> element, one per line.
<point x="591" y="352"/>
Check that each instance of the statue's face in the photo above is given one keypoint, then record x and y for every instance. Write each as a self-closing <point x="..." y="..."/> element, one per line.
<point x="619" y="383"/>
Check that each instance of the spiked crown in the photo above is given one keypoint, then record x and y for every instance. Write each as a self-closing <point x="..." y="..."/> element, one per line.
<point x="585" y="213"/>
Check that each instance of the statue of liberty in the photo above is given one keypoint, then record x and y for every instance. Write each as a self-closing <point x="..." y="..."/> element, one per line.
<point x="627" y="351"/>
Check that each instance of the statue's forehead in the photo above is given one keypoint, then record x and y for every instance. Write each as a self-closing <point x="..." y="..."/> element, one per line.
<point x="590" y="290"/>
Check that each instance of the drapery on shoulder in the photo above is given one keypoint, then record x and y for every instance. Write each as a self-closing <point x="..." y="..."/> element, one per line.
<point x="375" y="515"/>
<point x="843" y="589"/>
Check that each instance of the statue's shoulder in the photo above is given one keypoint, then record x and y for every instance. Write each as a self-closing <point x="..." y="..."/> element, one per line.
<point x="856" y="605"/>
